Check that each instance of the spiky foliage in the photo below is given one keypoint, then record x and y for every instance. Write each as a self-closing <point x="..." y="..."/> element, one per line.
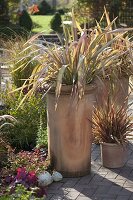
<point x="122" y="43"/>
<point x="111" y="123"/>
<point x="84" y="56"/>
<point x="12" y="57"/>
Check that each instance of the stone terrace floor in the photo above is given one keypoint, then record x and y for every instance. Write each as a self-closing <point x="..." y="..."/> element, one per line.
<point x="100" y="184"/>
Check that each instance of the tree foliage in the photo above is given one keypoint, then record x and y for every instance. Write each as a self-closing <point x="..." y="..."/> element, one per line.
<point x="94" y="8"/>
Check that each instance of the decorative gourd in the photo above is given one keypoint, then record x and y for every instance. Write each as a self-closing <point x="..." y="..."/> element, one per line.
<point x="45" y="179"/>
<point x="57" y="176"/>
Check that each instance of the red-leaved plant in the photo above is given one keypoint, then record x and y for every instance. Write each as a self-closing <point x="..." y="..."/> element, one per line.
<point x="111" y="122"/>
<point x="28" y="179"/>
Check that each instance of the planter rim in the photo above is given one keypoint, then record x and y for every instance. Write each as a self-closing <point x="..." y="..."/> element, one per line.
<point x="67" y="89"/>
<point x="112" y="144"/>
<point x="120" y="77"/>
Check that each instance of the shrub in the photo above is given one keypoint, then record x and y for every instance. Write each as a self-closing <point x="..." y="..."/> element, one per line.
<point x="12" y="31"/>
<point x="23" y="134"/>
<point x="44" y="8"/>
<point x="25" y="20"/>
<point x="56" y="22"/>
<point x="15" y="53"/>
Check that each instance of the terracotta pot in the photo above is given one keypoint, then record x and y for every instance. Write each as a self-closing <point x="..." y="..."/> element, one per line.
<point x="70" y="132"/>
<point x="113" y="155"/>
<point x="120" y="90"/>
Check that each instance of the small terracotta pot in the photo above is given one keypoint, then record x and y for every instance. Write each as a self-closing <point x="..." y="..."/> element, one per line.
<point x="113" y="155"/>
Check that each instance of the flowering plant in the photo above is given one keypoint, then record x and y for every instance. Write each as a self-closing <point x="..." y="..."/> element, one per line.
<point x="31" y="161"/>
<point x="28" y="179"/>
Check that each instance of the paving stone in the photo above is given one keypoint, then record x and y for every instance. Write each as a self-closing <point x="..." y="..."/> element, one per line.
<point x="102" y="173"/>
<point x="71" y="183"/>
<point x="72" y="195"/>
<point x="112" y="175"/>
<point x="130" y="162"/>
<point x="125" y="197"/>
<point x="103" y="169"/>
<point x="119" y="177"/>
<point x="109" y="198"/>
<point x="102" y="189"/>
<point x="96" y="179"/>
<point x="131" y="197"/>
<point x="128" y="183"/>
<point x="115" y="189"/>
<point x="73" y="189"/>
<point x="58" y="192"/>
<point x="49" y="196"/>
<point x="86" y="179"/>
<point x="117" y="182"/>
<point x="104" y="196"/>
<point x="55" y="185"/>
<point x="129" y="189"/>
<point x="88" y="191"/>
<point x="125" y="191"/>
<point x="57" y="197"/>
<point x="83" y="198"/>
<point x="105" y="182"/>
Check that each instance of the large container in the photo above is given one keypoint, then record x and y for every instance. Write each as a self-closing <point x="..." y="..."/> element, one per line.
<point x="70" y="132"/>
<point x="117" y="89"/>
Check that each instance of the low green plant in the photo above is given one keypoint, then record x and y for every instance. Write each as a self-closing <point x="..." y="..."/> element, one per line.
<point x="21" y="193"/>
<point x="34" y="160"/>
<point x="5" y="121"/>
<point x="42" y="138"/>
<point x="23" y="134"/>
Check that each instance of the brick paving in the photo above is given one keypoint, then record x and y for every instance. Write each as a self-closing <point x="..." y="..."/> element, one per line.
<point x="100" y="184"/>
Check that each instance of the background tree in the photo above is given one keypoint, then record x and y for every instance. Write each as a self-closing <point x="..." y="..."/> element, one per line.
<point x="4" y="17"/>
<point x="95" y="8"/>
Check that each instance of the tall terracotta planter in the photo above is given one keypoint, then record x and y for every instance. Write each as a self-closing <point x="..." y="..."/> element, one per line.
<point x="120" y="90"/>
<point x="69" y="132"/>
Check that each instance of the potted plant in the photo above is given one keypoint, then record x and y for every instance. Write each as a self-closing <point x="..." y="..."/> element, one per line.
<point x="115" y="78"/>
<point x="66" y="74"/>
<point x="111" y="126"/>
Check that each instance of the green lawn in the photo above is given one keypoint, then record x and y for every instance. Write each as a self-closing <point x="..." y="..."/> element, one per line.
<point x="41" y="23"/>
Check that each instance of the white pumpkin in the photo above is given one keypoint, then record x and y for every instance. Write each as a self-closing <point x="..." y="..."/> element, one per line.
<point x="57" y="176"/>
<point x="45" y="179"/>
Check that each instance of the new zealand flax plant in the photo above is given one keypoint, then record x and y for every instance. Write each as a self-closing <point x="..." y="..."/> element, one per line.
<point x="111" y="122"/>
<point x="123" y="44"/>
<point x="83" y="57"/>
